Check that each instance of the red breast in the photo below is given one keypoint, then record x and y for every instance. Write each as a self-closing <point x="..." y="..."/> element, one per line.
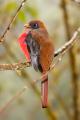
<point x="23" y="45"/>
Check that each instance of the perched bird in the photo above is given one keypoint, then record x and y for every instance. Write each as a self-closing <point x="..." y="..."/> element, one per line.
<point x="39" y="50"/>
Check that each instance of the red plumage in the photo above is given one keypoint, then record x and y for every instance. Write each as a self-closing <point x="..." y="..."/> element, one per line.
<point x="23" y="45"/>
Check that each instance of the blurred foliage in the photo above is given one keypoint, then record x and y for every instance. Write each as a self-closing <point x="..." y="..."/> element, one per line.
<point x="28" y="105"/>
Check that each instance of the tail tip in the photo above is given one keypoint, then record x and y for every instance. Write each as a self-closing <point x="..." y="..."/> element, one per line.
<point x="44" y="105"/>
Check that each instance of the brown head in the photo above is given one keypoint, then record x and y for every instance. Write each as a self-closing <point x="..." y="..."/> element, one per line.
<point x="35" y="24"/>
<point x="37" y="28"/>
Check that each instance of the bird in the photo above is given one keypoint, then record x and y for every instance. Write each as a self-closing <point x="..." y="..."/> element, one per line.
<point x="39" y="50"/>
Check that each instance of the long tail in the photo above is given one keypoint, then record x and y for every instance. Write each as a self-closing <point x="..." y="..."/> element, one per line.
<point x="44" y="92"/>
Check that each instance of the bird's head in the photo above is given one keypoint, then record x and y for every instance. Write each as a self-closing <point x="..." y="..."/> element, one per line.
<point x="35" y="25"/>
<point x="30" y="26"/>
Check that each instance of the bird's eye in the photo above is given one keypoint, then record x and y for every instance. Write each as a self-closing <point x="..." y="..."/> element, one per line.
<point x="35" y="26"/>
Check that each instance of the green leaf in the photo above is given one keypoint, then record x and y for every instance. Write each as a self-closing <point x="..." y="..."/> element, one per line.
<point x="22" y="16"/>
<point x="10" y="6"/>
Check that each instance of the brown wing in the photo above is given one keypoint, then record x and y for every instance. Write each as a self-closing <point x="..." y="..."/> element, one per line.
<point x="46" y="55"/>
<point x="46" y="48"/>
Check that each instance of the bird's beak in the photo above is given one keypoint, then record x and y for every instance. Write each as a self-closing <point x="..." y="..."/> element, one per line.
<point x="27" y="26"/>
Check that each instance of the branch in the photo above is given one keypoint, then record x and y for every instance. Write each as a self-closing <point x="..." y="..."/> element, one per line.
<point x="15" y="66"/>
<point x="66" y="46"/>
<point x="11" y="21"/>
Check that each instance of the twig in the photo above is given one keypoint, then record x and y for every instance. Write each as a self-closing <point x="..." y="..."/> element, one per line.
<point x="12" y="99"/>
<point x="68" y="44"/>
<point x="15" y="66"/>
<point x="50" y="113"/>
<point x="11" y="21"/>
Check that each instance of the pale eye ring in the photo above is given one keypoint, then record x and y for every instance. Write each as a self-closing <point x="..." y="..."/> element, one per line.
<point x="35" y="26"/>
